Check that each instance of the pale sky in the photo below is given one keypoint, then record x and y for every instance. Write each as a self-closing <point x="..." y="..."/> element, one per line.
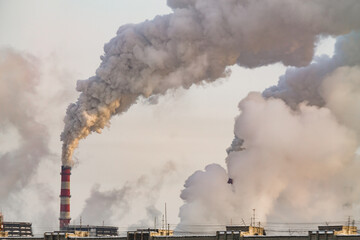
<point x="189" y="128"/>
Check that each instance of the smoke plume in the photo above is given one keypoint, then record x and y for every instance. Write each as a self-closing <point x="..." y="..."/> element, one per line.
<point x="195" y="44"/>
<point x="305" y="84"/>
<point x="116" y="205"/>
<point x="297" y="160"/>
<point x="18" y="81"/>
<point x="330" y="82"/>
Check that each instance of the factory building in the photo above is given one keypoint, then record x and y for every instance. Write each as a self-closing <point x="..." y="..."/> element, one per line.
<point x="247" y="230"/>
<point x="57" y="235"/>
<point x="18" y="229"/>
<point x="148" y="233"/>
<point x="87" y="232"/>
<point x="339" y="230"/>
<point x="2" y="232"/>
<point x="14" y="229"/>
<point x="96" y="231"/>
<point x="239" y="231"/>
<point x="156" y="234"/>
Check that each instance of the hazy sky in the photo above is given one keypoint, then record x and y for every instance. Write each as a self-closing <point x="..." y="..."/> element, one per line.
<point x="188" y="128"/>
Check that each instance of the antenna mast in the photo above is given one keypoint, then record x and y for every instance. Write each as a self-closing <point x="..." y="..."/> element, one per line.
<point x="253" y="221"/>
<point x="162" y="227"/>
<point x="166" y="218"/>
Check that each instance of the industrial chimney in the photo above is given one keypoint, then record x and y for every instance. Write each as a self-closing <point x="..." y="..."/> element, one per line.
<point x="65" y="197"/>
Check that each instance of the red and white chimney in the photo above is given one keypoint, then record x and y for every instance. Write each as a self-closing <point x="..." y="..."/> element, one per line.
<point x="65" y="197"/>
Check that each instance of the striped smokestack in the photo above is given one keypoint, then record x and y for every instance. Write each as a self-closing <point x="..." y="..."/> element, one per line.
<point x="65" y="197"/>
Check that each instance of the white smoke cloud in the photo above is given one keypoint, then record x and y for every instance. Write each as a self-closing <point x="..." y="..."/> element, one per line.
<point x="304" y="84"/>
<point x="102" y="205"/>
<point x="196" y="43"/>
<point x="208" y="200"/>
<point x="19" y="77"/>
<point x="116" y="205"/>
<point x="341" y="92"/>
<point x="291" y="155"/>
<point x="298" y="160"/>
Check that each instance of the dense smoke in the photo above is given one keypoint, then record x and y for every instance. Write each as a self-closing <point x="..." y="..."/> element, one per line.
<point x="294" y="152"/>
<point x="19" y="78"/>
<point x="298" y="160"/>
<point x="236" y="145"/>
<point x="115" y="205"/>
<point x="305" y="84"/>
<point x="194" y="44"/>
<point x="208" y="200"/>
<point x="330" y="82"/>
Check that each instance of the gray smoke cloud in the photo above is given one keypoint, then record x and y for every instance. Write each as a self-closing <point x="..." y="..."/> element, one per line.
<point x="318" y="84"/>
<point x="305" y="84"/>
<point x="236" y="145"/>
<point x="115" y="205"/>
<point x="298" y="160"/>
<point x="19" y="77"/>
<point x="195" y="44"/>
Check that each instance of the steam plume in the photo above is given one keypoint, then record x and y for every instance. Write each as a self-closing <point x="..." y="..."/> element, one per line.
<point x="116" y="204"/>
<point x="298" y="160"/>
<point x="194" y="44"/>
<point x="330" y="82"/>
<point x="18" y="81"/>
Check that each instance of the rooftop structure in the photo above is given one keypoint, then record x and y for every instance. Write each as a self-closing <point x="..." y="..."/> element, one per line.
<point x="98" y="231"/>
<point x="233" y="232"/>
<point x="148" y="233"/>
<point x="2" y="231"/>
<point x="340" y="229"/>
<point x="18" y="229"/>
